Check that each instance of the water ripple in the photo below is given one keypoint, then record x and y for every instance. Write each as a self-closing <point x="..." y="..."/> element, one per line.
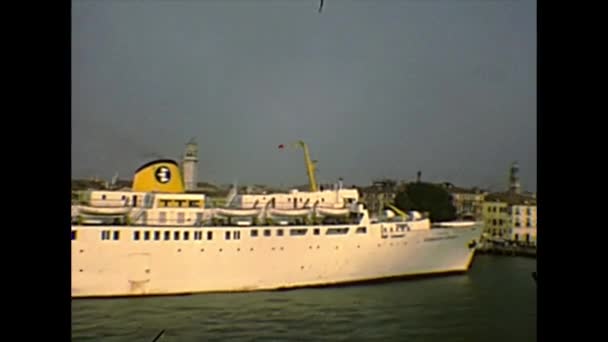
<point x="480" y="306"/>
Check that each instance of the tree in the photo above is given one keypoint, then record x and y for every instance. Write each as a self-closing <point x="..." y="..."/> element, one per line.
<point x="426" y="197"/>
<point x="403" y="201"/>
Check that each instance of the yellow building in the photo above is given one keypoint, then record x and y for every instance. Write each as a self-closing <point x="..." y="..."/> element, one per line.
<point x="524" y="223"/>
<point x="510" y="216"/>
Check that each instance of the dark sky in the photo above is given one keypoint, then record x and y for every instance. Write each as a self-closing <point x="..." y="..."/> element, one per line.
<point x="377" y="88"/>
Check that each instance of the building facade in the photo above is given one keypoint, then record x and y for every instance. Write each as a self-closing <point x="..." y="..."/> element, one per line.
<point x="380" y="193"/>
<point x="468" y="202"/>
<point x="510" y="216"/>
<point x="524" y="223"/>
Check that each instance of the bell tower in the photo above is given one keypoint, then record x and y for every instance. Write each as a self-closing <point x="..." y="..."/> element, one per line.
<point x="514" y="185"/>
<point x="190" y="165"/>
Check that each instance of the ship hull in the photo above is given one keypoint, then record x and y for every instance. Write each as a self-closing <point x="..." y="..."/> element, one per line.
<point x="103" y="266"/>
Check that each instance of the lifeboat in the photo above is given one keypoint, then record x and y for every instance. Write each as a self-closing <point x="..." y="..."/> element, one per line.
<point x="289" y="212"/>
<point x="455" y="224"/>
<point x="333" y="211"/>
<point x="104" y="210"/>
<point x="229" y="212"/>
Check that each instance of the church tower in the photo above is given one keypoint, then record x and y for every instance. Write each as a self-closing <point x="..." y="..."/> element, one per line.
<point x="190" y="165"/>
<point x="514" y="185"/>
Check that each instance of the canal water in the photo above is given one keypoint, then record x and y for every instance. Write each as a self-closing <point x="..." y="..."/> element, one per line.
<point x="495" y="301"/>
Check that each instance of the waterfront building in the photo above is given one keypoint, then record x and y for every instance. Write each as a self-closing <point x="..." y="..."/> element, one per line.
<point x="468" y="202"/>
<point x="510" y="216"/>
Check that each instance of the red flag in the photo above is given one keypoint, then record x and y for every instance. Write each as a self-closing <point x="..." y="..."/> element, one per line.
<point x="281" y="146"/>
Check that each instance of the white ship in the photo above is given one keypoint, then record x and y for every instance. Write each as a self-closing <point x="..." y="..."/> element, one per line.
<point x="159" y="240"/>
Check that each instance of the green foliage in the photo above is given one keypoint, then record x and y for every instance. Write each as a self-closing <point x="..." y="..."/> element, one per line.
<point x="426" y="197"/>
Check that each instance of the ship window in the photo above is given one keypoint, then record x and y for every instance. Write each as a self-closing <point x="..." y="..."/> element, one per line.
<point x="116" y="235"/>
<point x="123" y="197"/>
<point x="175" y="235"/>
<point x="279" y="232"/>
<point x="209" y="235"/>
<point x="254" y="233"/>
<point x="237" y="235"/>
<point x="361" y="230"/>
<point x="136" y="235"/>
<point x="162" y="217"/>
<point x="103" y="197"/>
<point x="316" y="231"/>
<point x="197" y="235"/>
<point x="227" y="235"/>
<point x="186" y="235"/>
<point x="336" y="231"/>
<point x="180" y="217"/>
<point x="74" y="235"/>
<point x="157" y="235"/>
<point x="146" y="235"/>
<point x="105" y="235"/>
<point x="167" y="235"/>
<point x="298" y="232"/>
<point x="267" y="232"/>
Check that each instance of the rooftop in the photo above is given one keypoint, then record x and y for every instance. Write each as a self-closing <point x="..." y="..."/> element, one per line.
<point x="511" y="198"/>
<point x="458" y="190"/>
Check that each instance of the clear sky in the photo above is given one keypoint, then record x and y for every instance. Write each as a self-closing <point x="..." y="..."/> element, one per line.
<point x="377" y="88"/>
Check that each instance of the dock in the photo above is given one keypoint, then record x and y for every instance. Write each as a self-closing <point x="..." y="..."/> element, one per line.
<point x="509" y="250"/>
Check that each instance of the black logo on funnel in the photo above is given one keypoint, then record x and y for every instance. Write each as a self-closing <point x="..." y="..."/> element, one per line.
<point x="163" y="174"/>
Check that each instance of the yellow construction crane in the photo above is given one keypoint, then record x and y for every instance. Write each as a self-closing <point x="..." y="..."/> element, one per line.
<point x="311" y="165"/>
<point x="397" y="210"/>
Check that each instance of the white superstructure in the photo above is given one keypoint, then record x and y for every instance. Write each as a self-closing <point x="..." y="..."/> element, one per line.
<point x="170" y="243"/>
